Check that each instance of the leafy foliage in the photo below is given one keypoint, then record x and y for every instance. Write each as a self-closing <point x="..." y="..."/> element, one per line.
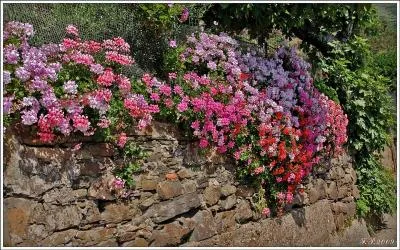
<point x="364" y="94"/>
<point x="132" y="156"/>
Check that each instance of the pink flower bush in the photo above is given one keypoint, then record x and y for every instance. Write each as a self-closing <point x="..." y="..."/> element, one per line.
<point x="66" y="88"/>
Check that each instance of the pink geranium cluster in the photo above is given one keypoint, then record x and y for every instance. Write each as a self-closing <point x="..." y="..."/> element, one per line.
<point x="68" y="87"/>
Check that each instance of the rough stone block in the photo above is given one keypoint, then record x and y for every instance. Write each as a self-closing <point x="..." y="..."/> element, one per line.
<point x="212" y="195"/>
<point x="168" y="209"/>
<point x="227" y="190"/>
<point x="171" y="235"/>
<point x="169" y="189"/>
<point x="229" y="202"/>
<point x="243" y="212"/>
<point x="205" y="226"/>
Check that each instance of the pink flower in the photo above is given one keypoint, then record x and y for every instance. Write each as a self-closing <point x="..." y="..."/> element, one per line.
<point x="203" y="143"/>
<point x="236" y="155"/>
<point x="266" y="211"/>
<point x="172" y="75"/>
<point x="122" y="138"/>
<point x="165" y="90"/>
<point x="71" y="29"/>
<point x="169" y="103"/>
<point x="195" y="125"/>
<point x="155" y="97"/>
<point x="76" y="147"/>
<point x="104" y="123"/>
<point x="153" y="108"/>
<point x="178" y="90"/>
<point x="81" y="123"/>
<point x="118" y="183"/>
<point x="113" y="56"/>
<point x="107" y="78"/>
<point x="81" y="58"/>
<point x="289" y="197"/>
<point x="281" y="196"/>
<point x="46" y="137"/>
<point x="124" y="84"/>
<point x="183" y="106"/>
<point x="259" y="170"/>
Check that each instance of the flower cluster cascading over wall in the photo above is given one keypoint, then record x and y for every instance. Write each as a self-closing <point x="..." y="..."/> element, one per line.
<point x="74" y="86"/>
<point x="263" y="112"/>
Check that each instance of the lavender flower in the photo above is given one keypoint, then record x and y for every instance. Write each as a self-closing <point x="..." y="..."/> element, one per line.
<point x="38" y="84"/>
<point x="49" y="99"/>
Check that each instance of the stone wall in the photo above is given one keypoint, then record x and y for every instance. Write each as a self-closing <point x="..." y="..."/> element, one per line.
<point x="56" y="197"/>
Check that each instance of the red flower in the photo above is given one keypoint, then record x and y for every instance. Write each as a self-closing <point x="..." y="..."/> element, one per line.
<point x="244" y="76"/>
<point x="278" y="171"/>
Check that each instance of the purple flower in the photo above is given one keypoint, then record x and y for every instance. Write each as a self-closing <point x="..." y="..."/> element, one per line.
<point x="22" y="74"/>
<point x="7" y="104"/>
<point x="31" y="101"/>
<point x="172" y="44"/>
<point x="97" y="69"/>
<point x="6" y="77"/>
<point x="11" y="55"/>
<point x="184" y="16"/>
<point x="49" y="99"/>
<point x="65" y="127"/>
<point x="50" y="49"/>
<point x="29" y="117"/>
<point x="70" y="87"/>
<point x="38" y="84"/>
<point x="212" y="65"/>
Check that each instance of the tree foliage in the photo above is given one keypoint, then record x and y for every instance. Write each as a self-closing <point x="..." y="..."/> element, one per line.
<point x="316" y="24"/>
